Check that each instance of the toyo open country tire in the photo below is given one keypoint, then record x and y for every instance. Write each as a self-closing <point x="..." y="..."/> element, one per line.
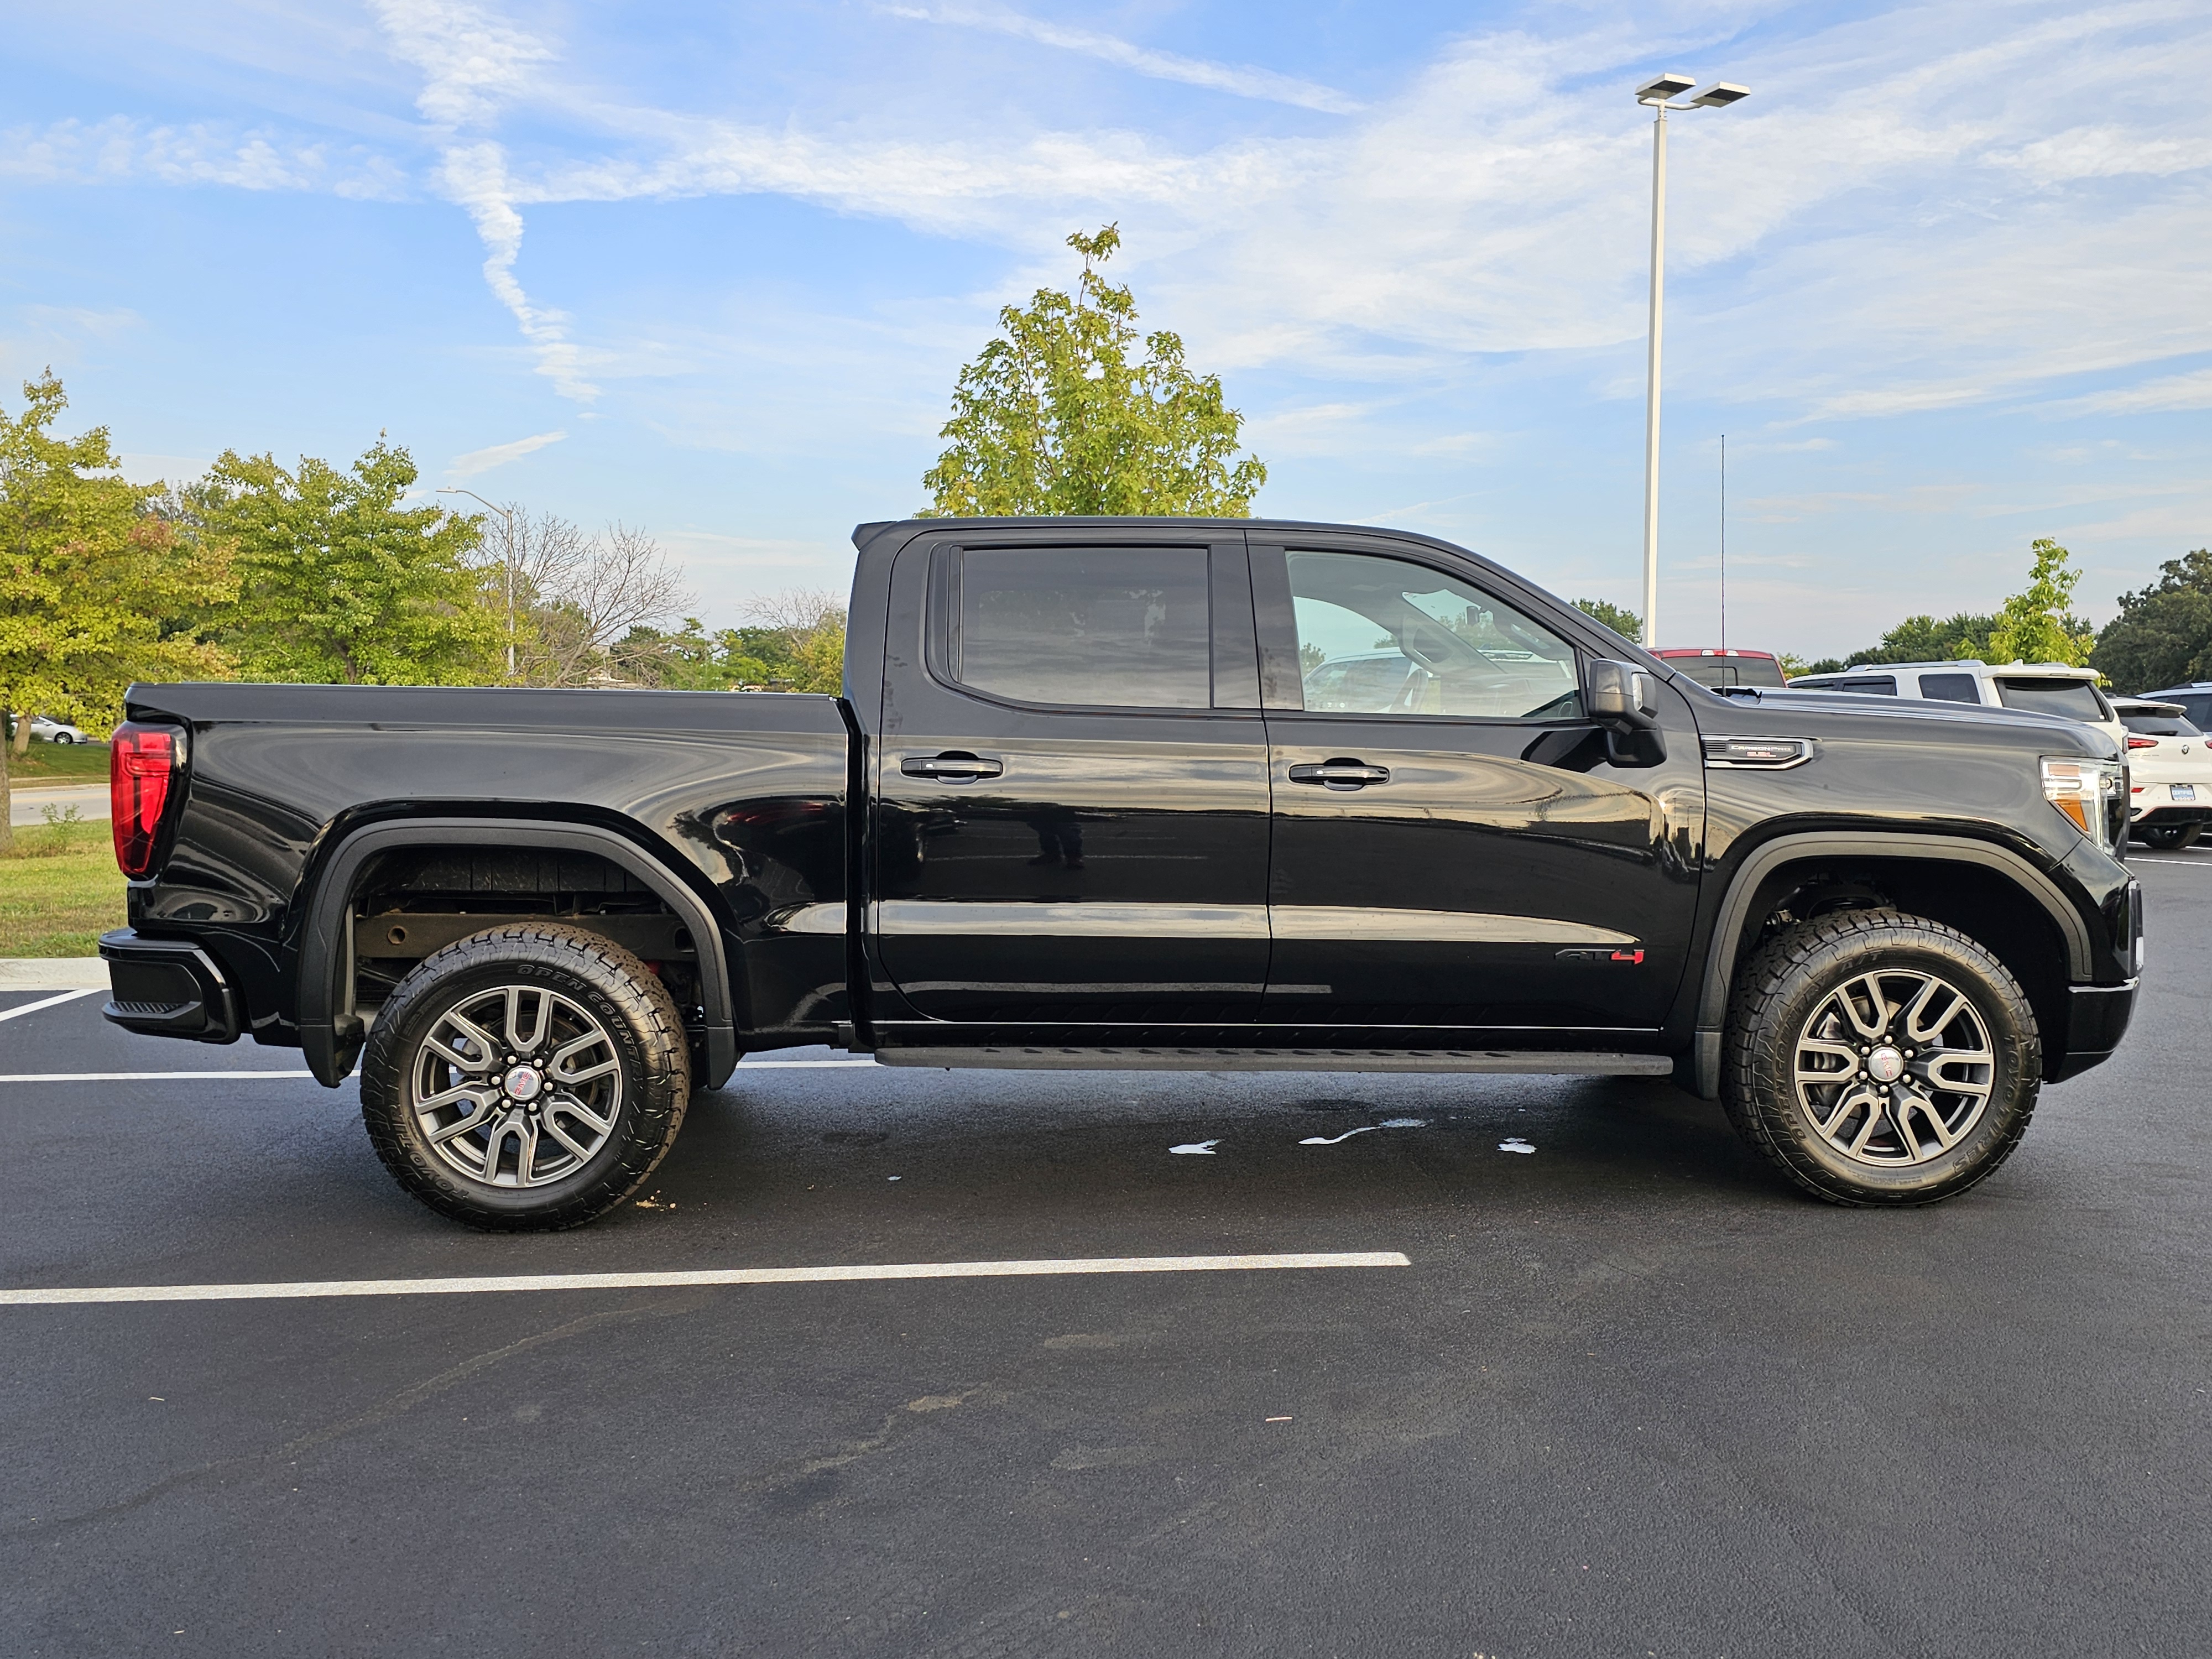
<point x="1879" y="1058"/>
<point x="526" y="1078"/>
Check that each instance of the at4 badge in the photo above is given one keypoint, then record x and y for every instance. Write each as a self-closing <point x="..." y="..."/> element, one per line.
<point x="1634" y="957"/>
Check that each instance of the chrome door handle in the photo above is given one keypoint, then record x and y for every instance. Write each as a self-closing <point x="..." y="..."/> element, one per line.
<point x="1340" y="774"/>
<point x="953" y="765"/>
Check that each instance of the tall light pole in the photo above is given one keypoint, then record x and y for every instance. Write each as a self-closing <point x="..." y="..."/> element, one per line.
<point x="1655" y="94"/>
<point x="508" y="514"/>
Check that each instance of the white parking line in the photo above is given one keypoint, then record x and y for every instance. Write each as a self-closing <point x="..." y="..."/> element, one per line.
<point x="1112" y="1264"/>
<point x="796" y="1065"/>
<point x="130" y="1077"/>
<point x="2188" y="864"/>
<point x="34" y="1007"/>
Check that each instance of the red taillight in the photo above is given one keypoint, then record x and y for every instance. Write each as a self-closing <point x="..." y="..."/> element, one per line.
<point x="142" y="770"/>
<point x="2143" y="743"/>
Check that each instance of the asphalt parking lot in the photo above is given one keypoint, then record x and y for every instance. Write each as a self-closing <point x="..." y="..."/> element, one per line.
<point x="1629" y="1396"/>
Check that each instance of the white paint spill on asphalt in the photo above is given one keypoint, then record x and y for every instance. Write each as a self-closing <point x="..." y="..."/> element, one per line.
<point x="1194" y="1149"/>
<point x="1515" y="1143"/>
<point x="1331" y="1141"/>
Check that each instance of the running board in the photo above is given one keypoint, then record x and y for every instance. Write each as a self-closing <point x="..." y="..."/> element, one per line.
<point x="1052" y="1058"/>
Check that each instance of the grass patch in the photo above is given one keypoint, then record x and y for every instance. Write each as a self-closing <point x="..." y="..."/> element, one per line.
<point x="59" y="889"/>
<point x="58" y="762"/>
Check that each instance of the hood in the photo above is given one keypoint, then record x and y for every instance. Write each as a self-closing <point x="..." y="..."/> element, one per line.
<point x="2048" y="733"/>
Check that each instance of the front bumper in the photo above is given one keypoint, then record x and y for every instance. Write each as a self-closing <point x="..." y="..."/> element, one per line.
<point x="2097" y="1019"/>
<point x="167" y="988"/>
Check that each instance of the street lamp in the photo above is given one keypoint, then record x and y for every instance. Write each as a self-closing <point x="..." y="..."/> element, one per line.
<point x="1657" y="92"/>
<point x="507" y="514"/>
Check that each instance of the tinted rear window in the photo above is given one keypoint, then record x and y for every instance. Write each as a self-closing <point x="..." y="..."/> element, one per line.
<point x="1872" y="685"/>
<point x="2074" y="699"/>
<point x="1950" y="687"/>
<point x="2160" y="726"/>
<point x="1104" y="626"/>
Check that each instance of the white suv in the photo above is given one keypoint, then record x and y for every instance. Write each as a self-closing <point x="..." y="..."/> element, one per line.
<point x="2169" y="773"/>
<point x="2041" y="688"/>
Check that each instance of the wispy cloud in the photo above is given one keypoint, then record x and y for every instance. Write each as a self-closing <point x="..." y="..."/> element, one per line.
<point x="2170" y="391"/>
<point x="473" y="61"/>
<point x="121" y="150"/>
<point x="478" y="462"/>
<point x="475" y="175"/>
<point x="1242" y="80"/>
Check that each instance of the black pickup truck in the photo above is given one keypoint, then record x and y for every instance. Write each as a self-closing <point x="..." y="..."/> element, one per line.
<point x="1209" y="795"/>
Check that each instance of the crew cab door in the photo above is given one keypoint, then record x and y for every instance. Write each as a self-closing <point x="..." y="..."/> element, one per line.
<point x="1453" y="846"/>
<point x="1071" y="783"/>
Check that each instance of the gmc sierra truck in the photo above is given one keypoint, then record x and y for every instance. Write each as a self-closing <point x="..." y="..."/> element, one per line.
<point x="1207" y="795"/>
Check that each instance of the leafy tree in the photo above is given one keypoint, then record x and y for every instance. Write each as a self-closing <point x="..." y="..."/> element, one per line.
<point x="1923" y="639"/>
<point x="338" y="584"/>
<point x="797" y="643"/>
<point x="1622" y="621"/>
<point x="2035" y="625"/>
<point x="88" y="569"/>
<point x="1059" y="415"/>
<point x="2163" y="634"/>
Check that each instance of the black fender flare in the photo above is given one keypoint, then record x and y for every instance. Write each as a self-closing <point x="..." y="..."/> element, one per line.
<point x="1769" y="856"/>
<point x="331" y="1033"/>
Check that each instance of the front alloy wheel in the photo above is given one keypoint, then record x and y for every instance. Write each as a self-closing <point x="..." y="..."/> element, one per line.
<point x="1894" y="1068"/>
<point x="1879" y="1058"/>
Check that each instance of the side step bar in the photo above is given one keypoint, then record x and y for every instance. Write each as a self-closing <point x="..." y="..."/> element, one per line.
<point x="1054" y="1058"/>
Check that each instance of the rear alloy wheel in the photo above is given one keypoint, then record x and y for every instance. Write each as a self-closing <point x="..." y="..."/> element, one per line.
<point x="1881" y="1059"/>
<point x="2169" y="837"/>
<point x="528" y="1077"/>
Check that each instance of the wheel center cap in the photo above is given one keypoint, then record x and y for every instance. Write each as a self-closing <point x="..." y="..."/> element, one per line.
<point x="1884" y="1065"/>
<point x="524" y="1082"/>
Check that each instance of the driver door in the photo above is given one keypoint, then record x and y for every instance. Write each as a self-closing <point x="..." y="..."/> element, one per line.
<point x="1452" y="847"/>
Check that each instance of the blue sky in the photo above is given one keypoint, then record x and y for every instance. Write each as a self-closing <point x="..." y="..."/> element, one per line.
<point x="1945" y="281"/>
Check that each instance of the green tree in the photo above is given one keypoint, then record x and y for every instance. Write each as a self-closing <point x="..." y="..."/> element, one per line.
<point x="1621" y="621"/>
<point x="1059" y="415"/>
<point x="338" y="584"/>
<point x="1923" y="639"/>
<point x="2163" y="634"/>
<point x="88" y="569"/>
<point x="797" y="643"/>
<point x="2035" y="625"/>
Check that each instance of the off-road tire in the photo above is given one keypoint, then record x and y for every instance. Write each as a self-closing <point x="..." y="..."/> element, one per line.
<point x="615" y="988"/>
<point x="2169" y="837"/>
<point x="1792" y="979"/>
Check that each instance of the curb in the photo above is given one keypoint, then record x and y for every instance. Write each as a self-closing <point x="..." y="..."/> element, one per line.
<point x="52" y="973"/>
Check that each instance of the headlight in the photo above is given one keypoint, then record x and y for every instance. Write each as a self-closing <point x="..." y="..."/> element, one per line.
<point x="2087" y="792"/>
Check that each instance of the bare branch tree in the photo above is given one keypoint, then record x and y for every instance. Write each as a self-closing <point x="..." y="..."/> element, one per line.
<point x="798" y="611"/>
<point x="582" y="595"/>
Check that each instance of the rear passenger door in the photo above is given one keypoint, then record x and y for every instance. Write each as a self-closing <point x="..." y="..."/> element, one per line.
<point x="1071" y="788"/>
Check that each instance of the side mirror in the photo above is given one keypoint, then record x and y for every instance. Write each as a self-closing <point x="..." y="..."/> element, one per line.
<point x="1621" y="695"/>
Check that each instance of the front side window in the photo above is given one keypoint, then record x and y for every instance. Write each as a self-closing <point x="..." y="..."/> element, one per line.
<point x="1102" y="627"/>
<point x="1386" y="636"/>
<point x="2074" y="699"/>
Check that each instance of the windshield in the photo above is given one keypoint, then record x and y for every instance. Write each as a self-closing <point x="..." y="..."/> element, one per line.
<point x="2074" y="700"/>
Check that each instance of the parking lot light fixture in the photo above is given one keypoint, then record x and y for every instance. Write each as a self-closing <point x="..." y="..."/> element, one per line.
<point x="507" y="514"/>
<point x="1658" y="94"/>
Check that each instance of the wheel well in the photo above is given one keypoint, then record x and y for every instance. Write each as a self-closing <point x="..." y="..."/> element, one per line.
<point x="1981" y="903"/>
<point x="407" y="901"/>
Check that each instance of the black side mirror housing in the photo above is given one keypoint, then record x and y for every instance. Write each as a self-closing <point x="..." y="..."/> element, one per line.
<point x="1621" y="695"/>
<point x="1623" y="700"/>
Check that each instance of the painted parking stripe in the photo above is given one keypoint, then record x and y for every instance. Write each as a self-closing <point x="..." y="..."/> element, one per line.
<point x="656" y="1281"/>
<point x="796" y="1065"/>
<point x="131" y="1077"/>
<point x="48" y="1002"/>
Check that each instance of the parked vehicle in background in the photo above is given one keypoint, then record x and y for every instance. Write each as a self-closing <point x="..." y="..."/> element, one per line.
<point x="2038" y="687"/>
<point x="2169" y="773"/>
<point x="54" y="731"/>
<point x="1091" y="799"/>
<point x="1716" y="668"/>
<point x="2194" y="700"/>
